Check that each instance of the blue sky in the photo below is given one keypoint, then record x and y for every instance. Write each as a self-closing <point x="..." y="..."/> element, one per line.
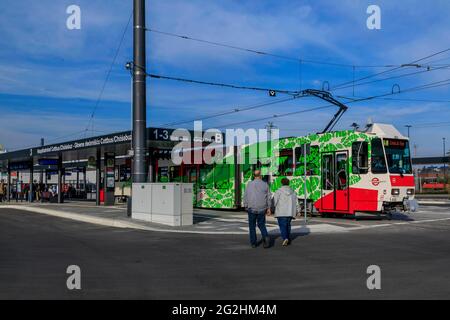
<point x="50" y="77"/>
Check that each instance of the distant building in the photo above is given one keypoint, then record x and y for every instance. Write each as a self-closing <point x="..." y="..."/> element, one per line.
<point x="431" y="178"/>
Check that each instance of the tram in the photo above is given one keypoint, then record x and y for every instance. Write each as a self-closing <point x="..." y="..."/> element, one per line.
<point x="347" y="172"/>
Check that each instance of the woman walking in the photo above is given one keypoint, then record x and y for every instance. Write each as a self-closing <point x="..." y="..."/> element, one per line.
<point x="285" y="202"/>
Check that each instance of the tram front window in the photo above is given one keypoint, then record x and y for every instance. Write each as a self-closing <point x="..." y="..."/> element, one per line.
<point x="378" y="161"/>
<point x="398" y="156"/>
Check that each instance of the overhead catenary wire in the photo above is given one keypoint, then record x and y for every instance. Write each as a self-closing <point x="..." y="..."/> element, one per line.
<point x="391" y="70"/>
<point x="77" y="133"/>
<point x="413" y="89"/>
<point x="291" y="92"/>
<point x="218" y="84"/>
<point x="431" y="125"/>
<point x="353" y="85"/>
<point x="399" y="99"/>
<point x="233" y="111"/>
<point x="260" y="52"/>
<point x="108" y="74"/>
<point x="275" y="116"/>
<point x="302" y="60"/>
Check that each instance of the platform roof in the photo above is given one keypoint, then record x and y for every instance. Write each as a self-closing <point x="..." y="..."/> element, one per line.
<point x="82" y="149"/>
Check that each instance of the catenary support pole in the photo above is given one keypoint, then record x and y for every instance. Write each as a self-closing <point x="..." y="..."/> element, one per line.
<point x="139" y="94"/>
<point x="41" y="176"/>
<point x="304" y="183"/>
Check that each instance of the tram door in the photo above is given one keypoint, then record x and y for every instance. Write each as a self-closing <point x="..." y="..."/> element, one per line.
<point x="191" y="176"/>
<point x="327" y="199"/>
<point x="342" y="183"/>
<point x="335" y="190"/>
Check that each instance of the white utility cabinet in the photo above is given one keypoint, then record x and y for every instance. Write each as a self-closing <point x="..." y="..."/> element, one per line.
<point x="165" y="203"/>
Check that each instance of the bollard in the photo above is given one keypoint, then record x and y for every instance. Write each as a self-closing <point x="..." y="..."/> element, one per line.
<point x="129" y="207"/>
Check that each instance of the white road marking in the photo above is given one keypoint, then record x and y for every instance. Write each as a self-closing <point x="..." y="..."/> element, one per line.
<point x="398" y="224"/>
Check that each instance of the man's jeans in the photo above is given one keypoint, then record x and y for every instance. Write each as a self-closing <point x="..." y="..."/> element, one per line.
<point x="257" y="217"/>
<point x="285" y="227"/>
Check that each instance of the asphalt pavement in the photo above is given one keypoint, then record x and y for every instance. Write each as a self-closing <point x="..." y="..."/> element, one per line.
<point x="118" y="263"/>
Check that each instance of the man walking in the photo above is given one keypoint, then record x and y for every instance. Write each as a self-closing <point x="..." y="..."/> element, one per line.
<point x="257" y="201"/>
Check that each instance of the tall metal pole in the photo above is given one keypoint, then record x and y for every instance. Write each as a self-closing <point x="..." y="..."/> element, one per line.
<point x="305" y="190"/>
<point x="139" y="94"/>
<point x="408" y="127"/>
<point x="41" y="175"/>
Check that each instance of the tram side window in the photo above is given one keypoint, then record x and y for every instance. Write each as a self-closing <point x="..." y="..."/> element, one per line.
<point x="175" y="174"/>
<point x="378" y="163"/>
<point x="360" y="157"/>
<point x="163" y="174"/>
<point x="222" y="176"/>
<point x="312" y="162"/>
<point x="207" y="177"/>
<point x="341" y="171"/>
<point x="286" y="164"/>
<point x="192" y="175"/>
<point x="327" y="172"/>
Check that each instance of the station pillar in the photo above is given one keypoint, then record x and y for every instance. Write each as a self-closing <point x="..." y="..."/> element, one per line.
<point x="31" y="190"/>
<point x="60" y="185"/>
<point x="109" y="184"/>
<point x="98" y="177"/>
<point x="78" y="179"/>
<point x="85" y="180"/>
<point x="8" y="190"/>
<point x="18" y="186"/>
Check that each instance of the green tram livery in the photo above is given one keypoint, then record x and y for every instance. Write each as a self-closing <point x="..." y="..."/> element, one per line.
<point x="347" y="172"/>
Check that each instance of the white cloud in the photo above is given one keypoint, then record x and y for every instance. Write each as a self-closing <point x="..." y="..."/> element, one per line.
<point x="41" y="57"/>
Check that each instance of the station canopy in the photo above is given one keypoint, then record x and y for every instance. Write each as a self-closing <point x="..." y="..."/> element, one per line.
<point x="159" y="141"/>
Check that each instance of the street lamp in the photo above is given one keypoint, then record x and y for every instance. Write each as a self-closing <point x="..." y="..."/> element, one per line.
<point x="408" y="126"/>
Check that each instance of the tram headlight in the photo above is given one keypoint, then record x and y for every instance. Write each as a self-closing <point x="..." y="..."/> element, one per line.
<point x="410" y="192"/>
<point x="395" y="192"/>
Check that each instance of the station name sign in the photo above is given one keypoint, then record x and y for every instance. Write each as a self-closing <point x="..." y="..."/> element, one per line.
<point x="86" y="143"/>
<point x="153" y="134"/>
